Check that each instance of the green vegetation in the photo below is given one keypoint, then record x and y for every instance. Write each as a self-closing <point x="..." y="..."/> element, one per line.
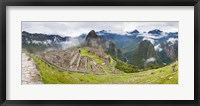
<point x="143" y="53"/>
<point x="111" y="60"/>
<point x="129" y="48"/>
<point x="33" y="48"/>
<point x="85" y="52"/>
<point x="88" y="66"/>
<point x="125" y="67"/>
<point x="151" y="66"/>
<point x="164" y="75"/>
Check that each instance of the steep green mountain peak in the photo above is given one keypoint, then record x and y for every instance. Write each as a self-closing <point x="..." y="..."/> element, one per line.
<point x="145" y="55"/>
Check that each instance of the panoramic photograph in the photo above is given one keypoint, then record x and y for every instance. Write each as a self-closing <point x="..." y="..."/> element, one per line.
<point x="99" y="52"/>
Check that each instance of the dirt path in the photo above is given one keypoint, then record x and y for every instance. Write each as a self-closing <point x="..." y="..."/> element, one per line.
<point x="30" y="74"/>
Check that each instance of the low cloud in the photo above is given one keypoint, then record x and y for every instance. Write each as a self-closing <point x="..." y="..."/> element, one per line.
<point x="152" y="59"/>
<point x="71" y="43"/>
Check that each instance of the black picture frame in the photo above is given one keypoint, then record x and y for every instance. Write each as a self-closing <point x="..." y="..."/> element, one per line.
<point x="4" y="4"/>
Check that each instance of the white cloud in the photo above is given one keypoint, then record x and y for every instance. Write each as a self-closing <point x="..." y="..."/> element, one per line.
<point x="76" y="28"/>
<point x="147" y="35"/>
<point x="147" y="26"/>
<point x="72" y="42"/>
<point x="172" y="40"/>
<point x="152" y="59"/>
<point x="158" y="48"/>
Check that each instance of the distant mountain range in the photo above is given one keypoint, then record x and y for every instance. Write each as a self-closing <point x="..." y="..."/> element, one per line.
<point x="142" y="49"/>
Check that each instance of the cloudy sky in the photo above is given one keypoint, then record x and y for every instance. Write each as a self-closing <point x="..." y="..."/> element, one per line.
<point x="76" y="28"/>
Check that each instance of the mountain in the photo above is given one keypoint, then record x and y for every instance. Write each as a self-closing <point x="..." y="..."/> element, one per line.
<point x="39" y="42"/>
<point x="119" y="46"/>
<point x="124" y="41"/>
<point x="92" y="40"/>
<point x="134" y="32"/>
<point x="94" y="56"/>
<point x="81" y="38"/>
<point x="91" y="35"/>
<point x="120" y="40"/>
<point x="128" y="43"/>
<point x="38" y="38"/>
<point x="36" y="42"/>
<point x="95" y="41"/>
<point x="145" y="55"/>
<point x="168" y="51"/>
<point x="155" y="32"/>
<point x="157" y="36"/>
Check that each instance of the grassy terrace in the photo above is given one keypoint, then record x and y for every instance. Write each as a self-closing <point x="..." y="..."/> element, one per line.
<point x="50" y="75"/>
<point x="84" y="52"/>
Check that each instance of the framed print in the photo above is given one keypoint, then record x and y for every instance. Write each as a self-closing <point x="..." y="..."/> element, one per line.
<point x="99" y="52"/>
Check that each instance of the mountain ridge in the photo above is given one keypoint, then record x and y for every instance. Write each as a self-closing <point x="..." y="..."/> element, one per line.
<point x="118" y="46"/>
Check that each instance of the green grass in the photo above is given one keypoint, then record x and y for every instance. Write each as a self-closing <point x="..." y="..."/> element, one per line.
<point x="125" y="67"/>
<point x="84" y="52"/>
<point x="106" y="69"/>
<point x="88" y="66"/>
<point x="112" y="62"/>
<point x="51" y="75"/>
